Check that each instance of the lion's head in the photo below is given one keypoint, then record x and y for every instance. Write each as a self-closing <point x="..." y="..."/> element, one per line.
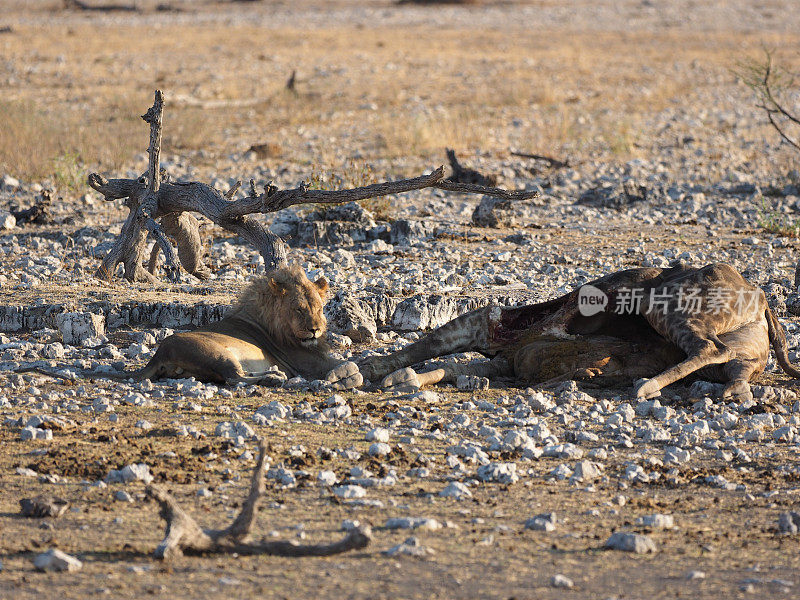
<point x="288" y="305"/>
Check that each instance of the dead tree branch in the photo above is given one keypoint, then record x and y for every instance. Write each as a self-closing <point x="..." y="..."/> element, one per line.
<point x="553" y="163"/>
<point x="292" y="82"/>
<point x="78" y="4"/>
<point x="769" y="84"/>
<point x="150" y="199"/>
<point x="38" y="213"/>
<point x="184" y="535"/>
<point x="465" y="175"/>
<point x="471" y="188"/>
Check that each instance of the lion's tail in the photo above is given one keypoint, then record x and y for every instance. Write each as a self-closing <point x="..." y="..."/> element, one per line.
<point x="777" y="338"/>
<point x="147" y="372"/>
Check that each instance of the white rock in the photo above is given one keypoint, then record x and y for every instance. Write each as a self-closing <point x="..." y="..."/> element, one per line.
<point x="234" y="430"/>
<point x="630" y="542"/>
<point x="283" y="476"/>
<point x="133" y="472"/>
<point x="338" y="412"/>
<point x="542" y="522"/>
<point x="123" y="496"/>
<point x="379" y="434"/>
<point x="560" y="581"/>
<point x="695" y="575"/>
<point x="469" y="383"/>
<point x="645" y="407"/>
<point x="516" y="439"/>
<point x="379" y="449"/>
<point x="498" y="472"/>
<point x="562" y="451"/>
<point x="327" y="478"/>
<point x="663" y="413"/>
<point x="54" y="350"/>
<point x="34" y="433"/>
<point x="586" y="470"/>
<point x="76" y="327"/>
<point x="7" y="220"/>
<point x="344" y="258"/>
<point x="540" y="402"/>
<point x="411" y="547"/>
<point x="412" y="523"/>
<point x="784" y="434"/>
<point x="56" y="560"/>
<point x="457" y="490"/>
<point x="349" y="491"/>
<point x="379" y="247"/>
<point x="657" y="521"/>
<point x="273" y="410"/>
<point x="561" y="472"/>
<point x="727" y="420"/>
<point x="9" y="182"/>
<point x="675" y="455"/>
<point x="789" y="522"/>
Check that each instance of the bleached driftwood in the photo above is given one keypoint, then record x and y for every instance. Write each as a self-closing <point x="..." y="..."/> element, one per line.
<point x="150" y="199"/>
<point x="184" y="535"/>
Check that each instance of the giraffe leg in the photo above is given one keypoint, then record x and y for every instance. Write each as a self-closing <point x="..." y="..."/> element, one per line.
<point x="408" y="380"/>
<point x="702" y="349"/>
<point x="466" y="333"/>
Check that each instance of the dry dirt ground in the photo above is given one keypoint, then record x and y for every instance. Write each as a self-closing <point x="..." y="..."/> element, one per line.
<point x="392" y="85"/>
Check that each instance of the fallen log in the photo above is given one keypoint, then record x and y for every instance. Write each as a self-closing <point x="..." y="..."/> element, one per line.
<point x="157" y="207"/>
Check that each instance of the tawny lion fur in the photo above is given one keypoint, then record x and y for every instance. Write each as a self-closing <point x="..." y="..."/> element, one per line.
<point x="278" y="320"/>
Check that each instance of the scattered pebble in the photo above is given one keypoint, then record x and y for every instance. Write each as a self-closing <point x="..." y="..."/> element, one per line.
<point x="630" y="542"/>
<point x="57" y="561"/>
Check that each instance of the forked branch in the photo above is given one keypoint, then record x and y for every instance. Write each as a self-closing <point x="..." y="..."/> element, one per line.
<point x="769" y="83"/>
<point x="158" y="208"/>
<point x="184" y="535"/>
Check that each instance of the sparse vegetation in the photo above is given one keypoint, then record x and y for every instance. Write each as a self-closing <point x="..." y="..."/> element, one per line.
<point x="38" y="143"/>
<point x="69" y="174"/>
<point x="777" y="223"/>
<point x="353" y="174"/>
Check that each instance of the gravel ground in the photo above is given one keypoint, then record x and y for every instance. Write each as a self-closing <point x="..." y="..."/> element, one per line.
<point x="504" y="492"/>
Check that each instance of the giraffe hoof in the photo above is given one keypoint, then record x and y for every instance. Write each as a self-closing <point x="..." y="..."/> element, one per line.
<point x="646" y="388"/>
<point x="404" y="381"/>
<point x="738" y="392"/>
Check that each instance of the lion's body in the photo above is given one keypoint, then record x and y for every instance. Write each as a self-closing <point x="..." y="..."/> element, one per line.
<point x="277" y="321"/>
<point x="224" y="351"/>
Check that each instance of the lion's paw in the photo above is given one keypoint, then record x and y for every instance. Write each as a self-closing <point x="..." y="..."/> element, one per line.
<point x="345" y="376"/>
<point x="403" y="380"/>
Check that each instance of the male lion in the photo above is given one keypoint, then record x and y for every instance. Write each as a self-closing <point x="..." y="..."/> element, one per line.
<point x="724" y="334"/>
<point x="278" y="320"/>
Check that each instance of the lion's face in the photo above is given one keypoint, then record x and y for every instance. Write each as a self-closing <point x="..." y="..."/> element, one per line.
<point x="299" y="304"/>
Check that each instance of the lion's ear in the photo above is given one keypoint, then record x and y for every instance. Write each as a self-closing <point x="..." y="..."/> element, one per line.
<point x="276" y="286"/>
<point x="322" y="286"/>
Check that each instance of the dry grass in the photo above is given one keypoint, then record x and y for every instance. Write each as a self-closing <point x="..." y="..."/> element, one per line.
<point x="58" y="144"/>
<point x="359" y="90"/>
